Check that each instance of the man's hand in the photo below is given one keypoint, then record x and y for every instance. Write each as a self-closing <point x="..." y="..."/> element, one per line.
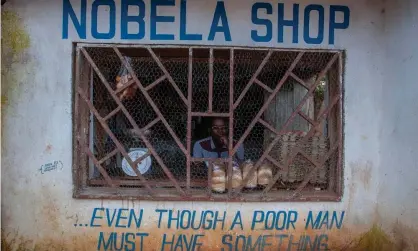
<point x="224" y="141"/>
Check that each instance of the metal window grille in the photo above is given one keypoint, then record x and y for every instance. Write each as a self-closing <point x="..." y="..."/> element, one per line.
<point x="283" y="106"/>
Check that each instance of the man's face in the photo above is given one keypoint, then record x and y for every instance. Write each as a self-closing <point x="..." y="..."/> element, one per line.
<point x="219" y="129"/>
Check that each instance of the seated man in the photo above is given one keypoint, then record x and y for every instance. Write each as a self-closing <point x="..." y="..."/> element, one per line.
<point x="216" y="146"/>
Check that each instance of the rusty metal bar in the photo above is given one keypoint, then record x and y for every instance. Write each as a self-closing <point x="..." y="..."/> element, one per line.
<point x="306" y="156"/>
<point x="210" y="170"/>
<point x="123" y="45"/>
<point x="267" y="103"/>
<point x="247" y="87"/>
<point x="210" y="80"/>
<point x="312" y="172"/>
<point x="268" y="126"/>
<point x="77" y="152"/>
<point x="170" y="79"/>
<point x="130" y="82"/>
<point x="113" y="137"/>
<point x="189" y="118"/>
<point x="303" y="115"/>
<point x="108" y="116"/>
<point x="208" y="159"/>
<point x="155" y="83"/>
<point x="296" y="150"/>
<point x="146" y="155"/>
<point x="275" y="162"/>
<point x="339" y="179"/>
<point x="300" y="81"/>
<point x="149" y="99"/>
<point x="151" y="124"/>
<point x="289" y="120"/>
<point x="213" y="114"/>
<point x="108" y="156"/>
<point x="265" y="87"/>
<point x="131" y="120"/>
<point x="231" y="121"/>
<point x="99" y="166"/>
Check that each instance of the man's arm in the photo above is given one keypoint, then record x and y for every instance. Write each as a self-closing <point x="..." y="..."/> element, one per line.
<point x="240" y="152"/>
<point x="197" y="150"/>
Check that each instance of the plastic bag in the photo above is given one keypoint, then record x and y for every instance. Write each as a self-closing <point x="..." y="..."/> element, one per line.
<point x="122" y="80"/>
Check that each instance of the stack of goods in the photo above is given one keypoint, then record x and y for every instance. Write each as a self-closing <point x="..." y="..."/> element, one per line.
<point x="265" y="174"/>
<point x="218" y="177"/>
<point x="252" y="181"/>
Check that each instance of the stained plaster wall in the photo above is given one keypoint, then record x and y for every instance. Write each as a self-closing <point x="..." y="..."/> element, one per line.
<point x="398" y="171"/>
<point x="37" y="123"/>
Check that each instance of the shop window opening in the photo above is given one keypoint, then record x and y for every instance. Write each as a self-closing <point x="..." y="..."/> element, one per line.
<point x="195" y="123"/>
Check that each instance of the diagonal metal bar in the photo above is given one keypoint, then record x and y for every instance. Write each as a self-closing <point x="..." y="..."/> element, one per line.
<point x="296" y="150"/>
<point x="289" y="120"/>
<point x="170" y="79"/>
<point x="306" y="156"/>
<point x="99" y="166"/>
<point x="113" y="137"/>
<point x="109" y="155"/>
<point x="317" y="166"/>
<point x="151" y="102"/>
<point x="265" y="87"/>
<point x="304" y="116"/>
<point x="132" y="121"/>
<point x="112" y="113"/>
<point x="301" y="82"/>
<point x="146" y="155"/>
<point x="267" y="103"/>
<point x="130" y="82"/>
<point x="151" y="124"/>
<point x="155" y="83"/>
<point x="247" y="87"/>
<point x="275" y="162"/>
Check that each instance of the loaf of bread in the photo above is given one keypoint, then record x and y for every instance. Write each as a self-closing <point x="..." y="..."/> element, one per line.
<point x="265" y="174"/>
<point x="252" y="181"/>
<point x="218" y="177"/>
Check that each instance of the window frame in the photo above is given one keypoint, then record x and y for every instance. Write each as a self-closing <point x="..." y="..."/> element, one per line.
<point x="82" y="189"/>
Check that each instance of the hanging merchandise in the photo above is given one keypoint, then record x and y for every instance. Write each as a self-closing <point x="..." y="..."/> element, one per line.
<point x="122" y="80"/>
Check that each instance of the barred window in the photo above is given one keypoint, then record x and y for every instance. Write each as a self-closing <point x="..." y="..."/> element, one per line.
<point x="207" y="123"/>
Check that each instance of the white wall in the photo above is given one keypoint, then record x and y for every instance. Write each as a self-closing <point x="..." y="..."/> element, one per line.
<point x="379" y="161"/>
<point x="399" y="142"/>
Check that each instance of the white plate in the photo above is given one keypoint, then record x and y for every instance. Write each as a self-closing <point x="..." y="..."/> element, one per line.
<point x="142" y="167"/>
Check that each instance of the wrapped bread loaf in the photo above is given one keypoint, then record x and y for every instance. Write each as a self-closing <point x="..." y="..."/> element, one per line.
<point x="218" y="177"/>
<point x="265" y="174"/>
<point x="236" y="175"/>
<point x="252" y="181"/>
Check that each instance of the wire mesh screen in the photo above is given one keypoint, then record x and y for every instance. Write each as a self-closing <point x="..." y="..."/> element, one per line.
<point x="208" y="123"/>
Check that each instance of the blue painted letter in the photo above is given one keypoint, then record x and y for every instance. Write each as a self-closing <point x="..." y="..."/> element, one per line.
<point x="183" y="24"/>
<point x="112" y="17"/>
<point x="333" y="25"/>
<point x="306" y="26"/>
<point x="220" y="15"/>
<point x="155" y="19"/>
<point x="260" y="21"/>
<point x="293" y="23"/>
<point x="94" y="217"/>
<point x="125" y="19"/>
<point x="68" y="11"/>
